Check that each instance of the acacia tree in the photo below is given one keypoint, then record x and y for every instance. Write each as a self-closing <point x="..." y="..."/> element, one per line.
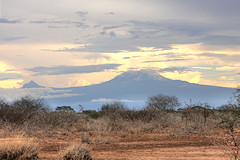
<point x="237" y="96"/>
<point x="204" y="110"/>
<point x="162" y="102"/>
<point x="64" y="109"/>
<point x="113" y="107"/>
<point x="229" y="119"/>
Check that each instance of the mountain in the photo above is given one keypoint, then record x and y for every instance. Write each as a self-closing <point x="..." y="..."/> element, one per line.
<point x="32" y="84"/>
<point x="134" y="87"/>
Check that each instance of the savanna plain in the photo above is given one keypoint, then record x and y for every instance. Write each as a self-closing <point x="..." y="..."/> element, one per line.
<point x="30" y="129"/>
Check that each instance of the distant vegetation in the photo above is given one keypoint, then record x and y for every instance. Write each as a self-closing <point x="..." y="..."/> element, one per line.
<point x="33" y="116"/>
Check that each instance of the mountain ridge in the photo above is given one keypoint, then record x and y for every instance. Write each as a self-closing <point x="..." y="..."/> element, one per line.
<point x="138" y="86"/>
<point x="31" y="84"/>
<point x="134" y="87"/>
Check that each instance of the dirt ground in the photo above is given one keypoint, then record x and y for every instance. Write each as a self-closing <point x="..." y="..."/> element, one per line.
<point x="139" y="146"/>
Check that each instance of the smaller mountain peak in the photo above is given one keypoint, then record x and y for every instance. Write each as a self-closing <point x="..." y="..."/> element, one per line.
<point x="32" y="84"/>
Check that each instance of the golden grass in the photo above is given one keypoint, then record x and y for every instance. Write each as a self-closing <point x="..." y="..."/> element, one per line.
<point x="77" y="152"/>
<point x="18" y="148"/>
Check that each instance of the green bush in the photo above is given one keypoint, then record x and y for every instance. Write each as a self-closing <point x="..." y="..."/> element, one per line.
<point x="64" y="109"/>
<point x="92" y="113"/>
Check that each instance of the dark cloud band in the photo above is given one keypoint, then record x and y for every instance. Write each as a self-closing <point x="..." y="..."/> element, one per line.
<point x="59" y="70"/>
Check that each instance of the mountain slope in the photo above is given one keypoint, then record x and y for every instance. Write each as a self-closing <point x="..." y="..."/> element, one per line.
<point x="138" y="86"/>
<point x="32" y="84"/>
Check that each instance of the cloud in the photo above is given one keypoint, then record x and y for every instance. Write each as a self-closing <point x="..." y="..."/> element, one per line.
<point x="79" y="24"/>
<point x="228" y="78"/>
<point x="96" y="57"/>
<point x="228" y="68"/>
<point x="67" y="49"/>
<point x="103" y="33"/>
<point x="4" y="20"/>
<point x="221" y="40"/>
<point x="173" y="23"/>
<point x="213" y="55"/>
<point x="189" y="76"/>
<point x="134" y="34"/>
<point x="7" y="76"/>
<point x="111" y="27"/>
<point x="56" y="27"/>
<point x="205" y="68"/>
<point x="81" y="13"/>
<point x="15" y="93"/>
<point x="224" y="57"/>
<point x="168" y="26"/>
<point x="110" y="13"/>
<point x="105" y="44"/>
<point x="40" y="21"/>
<point x="112" y="34"/>
<point x="58" y="70"/>
<point x="13" y="38"/>
<point x="168" y="60"/>
<point x="112" y="100"/>
<point x="61" y="95"/>
<point x="175" y="69"/>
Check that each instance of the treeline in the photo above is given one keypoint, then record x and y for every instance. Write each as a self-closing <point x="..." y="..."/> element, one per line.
<point x="158" y="108"/>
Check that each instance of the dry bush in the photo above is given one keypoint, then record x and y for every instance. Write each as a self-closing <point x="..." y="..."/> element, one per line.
<point x="229" y="120"/>
<point x="142" y="115"/>
<point x="23" y="109"/>
<point x="196" y="119"/>
<point x="101" y="124"/>
<point x="135" y="121"/>
<point x="77" y="152"/>
<point x="85" y="138"/>
<point x="61" y="119"/>
<point x="18" y="148"/>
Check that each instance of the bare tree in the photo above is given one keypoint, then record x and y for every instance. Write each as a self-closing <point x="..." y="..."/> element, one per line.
<point x="162" y="102"/>
<point x="113" y="107"/>
<point x="229" y="120"/>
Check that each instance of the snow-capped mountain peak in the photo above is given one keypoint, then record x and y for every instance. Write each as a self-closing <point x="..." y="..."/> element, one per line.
<point x="142" y="75"/>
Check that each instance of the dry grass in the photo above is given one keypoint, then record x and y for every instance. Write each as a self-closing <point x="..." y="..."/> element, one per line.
<point x="77" y="152"/>
<point x="18" y="148"/>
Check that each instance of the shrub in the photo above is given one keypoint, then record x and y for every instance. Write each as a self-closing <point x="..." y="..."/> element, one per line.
<point x="229" y="119"/>
<point x="92" y="113"/>
<point x="17" y="148"/>
<point x="62" y="119"/>
<point x="162" y="102"/>
<point x="23" y="109"/>
<point x="6" y="110"/>
<point x="113" y="107"/>
<point x="77" y="152"/>
<point x="142" y="115"/>
<point x="85" y="138"/>
<point x="64" y="109"/>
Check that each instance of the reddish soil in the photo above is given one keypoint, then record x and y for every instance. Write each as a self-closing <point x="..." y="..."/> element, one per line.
<point x="154" y="146"/>
<point x="141" y="146"/>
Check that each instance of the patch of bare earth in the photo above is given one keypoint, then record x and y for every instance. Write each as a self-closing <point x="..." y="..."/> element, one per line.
<point x="139" y="146"/>
<point x="154" y="146"/>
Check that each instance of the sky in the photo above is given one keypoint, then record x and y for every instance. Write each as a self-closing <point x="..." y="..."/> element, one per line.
<point x="59" y="43"/>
